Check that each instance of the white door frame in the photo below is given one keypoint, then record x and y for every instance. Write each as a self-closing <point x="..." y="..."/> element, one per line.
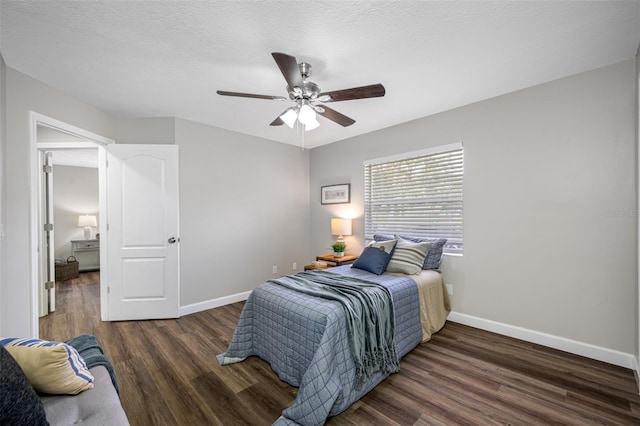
<point x="35" y="209"/>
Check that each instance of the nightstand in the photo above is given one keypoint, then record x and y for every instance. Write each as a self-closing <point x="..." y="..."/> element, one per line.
<point x="332" y="261"/>
<point x="91" y="262"/>
<point x="347" y="259"/>
<point x="312" y="267"/>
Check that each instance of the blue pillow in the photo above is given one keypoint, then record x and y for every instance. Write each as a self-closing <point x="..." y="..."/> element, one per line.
<point x="383" y="237"/>
<point x="373" y="260"/>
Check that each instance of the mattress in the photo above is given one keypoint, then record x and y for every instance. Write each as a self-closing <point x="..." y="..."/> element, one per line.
<point x="434" y="301"/>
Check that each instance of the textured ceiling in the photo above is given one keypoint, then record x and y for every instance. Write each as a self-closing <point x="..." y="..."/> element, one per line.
<point x="168" y="58"/>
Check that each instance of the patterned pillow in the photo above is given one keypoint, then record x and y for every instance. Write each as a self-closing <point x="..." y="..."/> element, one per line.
<point x="408" y="257"/>
<point x="20" y="404"/>
<point x="384" y="245"/>
<point x="51" y="367"/>
<point x="375" y="257"/>
<point x="434" y="256"/>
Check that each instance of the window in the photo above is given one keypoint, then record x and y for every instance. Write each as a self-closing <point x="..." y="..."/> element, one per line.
<point x="418" y="194"/>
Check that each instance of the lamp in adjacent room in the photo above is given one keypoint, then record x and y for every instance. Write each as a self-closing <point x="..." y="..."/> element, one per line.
<point x="87" y="221"/>
<point x="340" y="227"/>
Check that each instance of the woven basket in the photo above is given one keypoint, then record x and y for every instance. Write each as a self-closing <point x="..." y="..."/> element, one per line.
<point x="68" y="270"/>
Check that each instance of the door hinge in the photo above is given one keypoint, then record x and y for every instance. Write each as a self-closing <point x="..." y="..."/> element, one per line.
<point x="46" y="168"/>
<point x="49" y="285"/>
<point x="108" y="289"/>
<point x="48" y="226"/>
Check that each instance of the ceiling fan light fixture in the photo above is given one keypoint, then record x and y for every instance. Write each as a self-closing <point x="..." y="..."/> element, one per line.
<point x="289" y="117"/>
<point x="311" y="124"/>
<point x="307" y="114"/>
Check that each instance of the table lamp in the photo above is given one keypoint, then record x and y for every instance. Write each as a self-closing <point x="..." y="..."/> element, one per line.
<point x="87" y="221"/>
<point x="340" y="227"/>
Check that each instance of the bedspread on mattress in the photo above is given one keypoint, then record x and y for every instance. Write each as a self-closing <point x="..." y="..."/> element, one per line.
<point x="306" y="342"/>
<point x="369" y="317"/>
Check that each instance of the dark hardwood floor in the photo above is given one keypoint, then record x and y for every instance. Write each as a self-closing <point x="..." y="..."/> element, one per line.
<point x="169" y="375"/>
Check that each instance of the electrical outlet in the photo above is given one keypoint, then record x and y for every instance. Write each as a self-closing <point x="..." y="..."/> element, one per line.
<point x="294" y="266"/>
<point x="450" y="289"/>
<point x="275" y="269"/>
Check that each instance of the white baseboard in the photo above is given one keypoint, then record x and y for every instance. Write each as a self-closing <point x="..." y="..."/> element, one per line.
<point x="579" y="348"/>
<point x="213" y="303"/>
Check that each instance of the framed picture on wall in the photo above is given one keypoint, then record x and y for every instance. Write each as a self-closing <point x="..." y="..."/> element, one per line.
<point x="335" y="194"/>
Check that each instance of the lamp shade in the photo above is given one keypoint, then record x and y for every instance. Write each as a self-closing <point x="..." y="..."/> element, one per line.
<point x="312" y="124"/>
<point x="340" y="226"/>
<point x="87" y="220"/>
<point x="307" y="115"/>
<point x="289" y="117"/>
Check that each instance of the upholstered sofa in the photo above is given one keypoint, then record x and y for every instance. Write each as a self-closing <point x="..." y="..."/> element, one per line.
<point x="96" y="402"/>
<point x="96" y="407"/>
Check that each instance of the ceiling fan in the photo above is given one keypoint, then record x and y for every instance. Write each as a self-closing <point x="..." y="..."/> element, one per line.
<point x="307" y="95"/>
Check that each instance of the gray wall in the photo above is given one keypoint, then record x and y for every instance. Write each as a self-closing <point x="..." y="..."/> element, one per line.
<point x="244" y="205"/>
<point x="638" y="207"/>
<point x="550" y="195"/>
<point x="24" y="94"/>
<point x="244" y="200"/>
<point x="156" y="130"/>
<point x="3" y="204"/>
<point x="244" y="208"/>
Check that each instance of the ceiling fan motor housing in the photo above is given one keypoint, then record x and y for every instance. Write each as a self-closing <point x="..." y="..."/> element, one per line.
<point x="308" y="90"/>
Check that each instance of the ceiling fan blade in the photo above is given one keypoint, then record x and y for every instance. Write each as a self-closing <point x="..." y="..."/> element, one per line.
<point x="334" y="115"/>
<point x="289" y="67"/>
<point x="251" y="95"/>
<point x="371" y="91"/>
<point x="277" y="122"/>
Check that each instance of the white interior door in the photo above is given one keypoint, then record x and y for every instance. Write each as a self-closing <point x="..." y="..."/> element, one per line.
<point x="143" y="233"/>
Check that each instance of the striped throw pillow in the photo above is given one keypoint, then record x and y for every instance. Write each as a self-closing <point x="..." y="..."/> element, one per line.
<point x="50" y="367"/>
<point x="408" y="257"/>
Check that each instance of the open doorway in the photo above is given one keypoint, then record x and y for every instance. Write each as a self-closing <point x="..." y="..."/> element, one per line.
<point x="139" y="256"/>
<point x="79" y="189"/>
<point x="74" y="195"/>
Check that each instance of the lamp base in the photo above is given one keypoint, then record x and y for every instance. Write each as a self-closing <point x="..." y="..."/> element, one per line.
<point x="87" y="232"/>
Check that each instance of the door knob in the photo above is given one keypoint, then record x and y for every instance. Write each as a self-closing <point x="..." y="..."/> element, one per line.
<point x="172" y="240"/>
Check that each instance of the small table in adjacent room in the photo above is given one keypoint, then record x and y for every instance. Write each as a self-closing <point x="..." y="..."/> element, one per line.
<point x="90" y="261"/>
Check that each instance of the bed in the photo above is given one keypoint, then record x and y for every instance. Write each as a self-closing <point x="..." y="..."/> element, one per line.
<point x="305" y="338"/>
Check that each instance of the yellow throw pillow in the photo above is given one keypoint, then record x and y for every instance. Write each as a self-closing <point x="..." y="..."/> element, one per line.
<point x="50" y="367"/>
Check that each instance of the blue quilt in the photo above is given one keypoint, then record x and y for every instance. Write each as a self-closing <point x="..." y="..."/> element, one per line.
<point x="305" y="340"/>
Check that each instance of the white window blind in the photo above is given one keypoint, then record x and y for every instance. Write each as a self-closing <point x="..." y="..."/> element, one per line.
<point x="417" y="194"/>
